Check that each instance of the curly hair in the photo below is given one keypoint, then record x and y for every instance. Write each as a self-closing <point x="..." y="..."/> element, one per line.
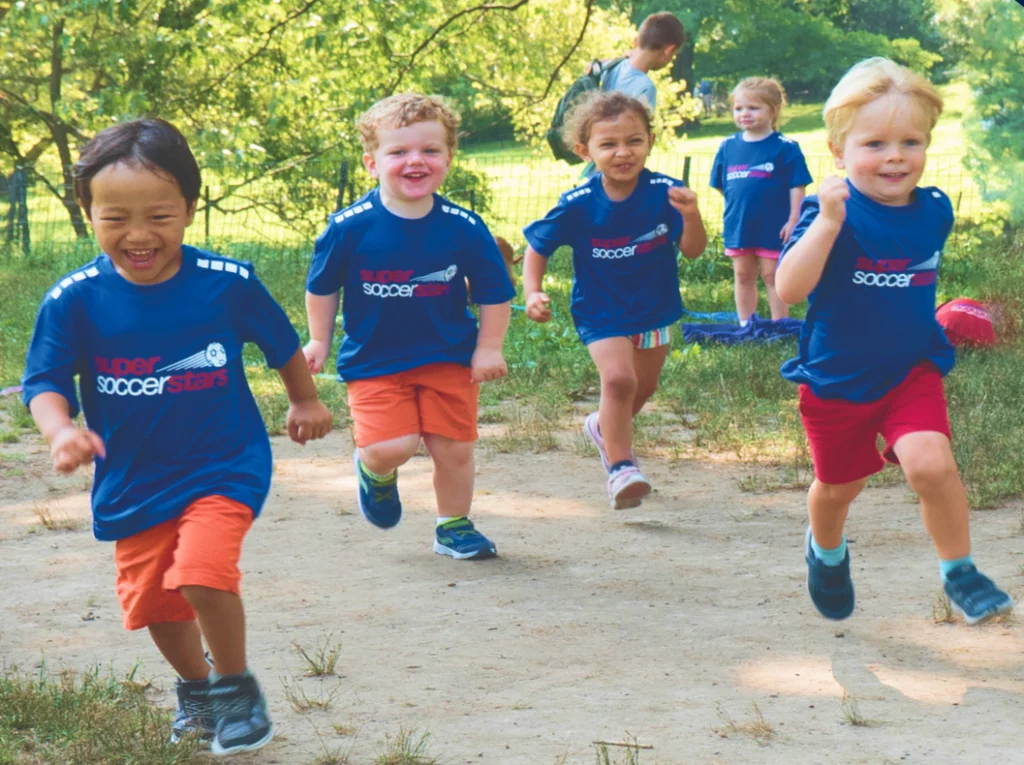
<point x="404" y="109"/>
<point x="596" y="106"/>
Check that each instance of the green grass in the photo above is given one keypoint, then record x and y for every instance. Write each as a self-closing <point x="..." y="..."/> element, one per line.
<point x="91" y="718"/>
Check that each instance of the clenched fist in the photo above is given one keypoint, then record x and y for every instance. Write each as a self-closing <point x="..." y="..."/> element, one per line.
<point x="832" y="195"/>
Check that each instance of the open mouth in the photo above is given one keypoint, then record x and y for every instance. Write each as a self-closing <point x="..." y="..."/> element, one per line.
<point x="893" y="177"/>
<point x="414" y="176"/>
<point x="141" y="258"/>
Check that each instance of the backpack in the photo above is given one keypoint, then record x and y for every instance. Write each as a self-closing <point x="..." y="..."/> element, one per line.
<point x="592" y="80"/>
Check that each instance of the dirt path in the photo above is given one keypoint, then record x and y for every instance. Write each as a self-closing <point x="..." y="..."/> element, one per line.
<point x="666" y="622"/>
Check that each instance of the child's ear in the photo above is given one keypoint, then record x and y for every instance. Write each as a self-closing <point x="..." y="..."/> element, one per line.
<point x="837" y="155"/>
<point x="370" y="164"/>
<point x="190" y="214"/>
<point x="580" y="150"/>
<point x="85" y="209"/>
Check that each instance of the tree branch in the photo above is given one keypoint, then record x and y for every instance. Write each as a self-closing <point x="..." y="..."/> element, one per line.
<point x="198" y="93"/>
<point x="451" y="20"/>
<point x="567" y="56"/>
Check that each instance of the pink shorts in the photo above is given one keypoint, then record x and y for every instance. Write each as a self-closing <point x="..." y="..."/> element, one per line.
<point x="843" y="435"/>
<point x="759" y="252"/>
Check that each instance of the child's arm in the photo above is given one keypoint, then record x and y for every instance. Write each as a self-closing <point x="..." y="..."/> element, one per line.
<point x="488" y="362"/>
<point x="321" y="311"/>
<point x="800" y="270"/>
<point x="308" y="418"/>
<point x="69" y="446"/>
<point x="694" y="238"/>
<point x="537" y="303"/>
<point x="796" y="198"/>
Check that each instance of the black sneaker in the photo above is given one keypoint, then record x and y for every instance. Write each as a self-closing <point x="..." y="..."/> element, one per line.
<point x="195" y="711"/>
<point x="831" y="587"/>
<point x="243" y="724"/>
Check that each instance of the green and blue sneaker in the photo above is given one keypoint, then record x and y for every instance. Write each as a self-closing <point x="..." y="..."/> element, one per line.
<point x="243" y="723"/>
<point x="378" y="497"/>
<point x="460" y="539"/>
<point x="975" y="595"/>
<point x="194" y="714"/>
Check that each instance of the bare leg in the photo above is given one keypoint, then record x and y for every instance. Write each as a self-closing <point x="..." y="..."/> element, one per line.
<point x="613" y="357"/>
<point x="779" y="309"/>
<point x="453" y="473"/>
<point x="182" y="645"/>
<point x="931" y="471"/>
<point x="647" y="362"/>
<point x="745" y="270"/>
<point x="827" y="508"/>
<point x="384" y="456"/>
<point x="222" y="621"/>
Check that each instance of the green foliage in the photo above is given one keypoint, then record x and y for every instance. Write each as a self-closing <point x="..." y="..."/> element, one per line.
<point x="995" y="127"/>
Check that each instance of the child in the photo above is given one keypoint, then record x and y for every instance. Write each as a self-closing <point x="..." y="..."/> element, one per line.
<point x="762" y="175"/>
<point x="623" y="225"/>
<point x="658" y="40"/>
<point x="154" y="330"/>
<point x="412" y="356"/>
<point x="871" y="357"/>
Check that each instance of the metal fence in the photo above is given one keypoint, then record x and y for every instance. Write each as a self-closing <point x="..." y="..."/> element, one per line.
<point x="509" y="190"/>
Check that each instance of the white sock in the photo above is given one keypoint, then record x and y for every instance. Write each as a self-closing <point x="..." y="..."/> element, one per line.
<point x="744" y="322"/>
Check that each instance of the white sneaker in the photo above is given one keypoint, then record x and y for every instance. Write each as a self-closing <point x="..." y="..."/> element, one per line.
<point x="592" y="430"/>
<point x="627" y="487"/>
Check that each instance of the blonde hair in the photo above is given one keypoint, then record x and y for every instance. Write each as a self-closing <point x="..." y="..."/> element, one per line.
<point x="599" y="105"/>
<point x="766" y="89"/>
<point x="404" y="109"/>
<point x="869" y="80"/>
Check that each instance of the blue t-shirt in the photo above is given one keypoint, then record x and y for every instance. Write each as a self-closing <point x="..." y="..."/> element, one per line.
<point x="404" y="280"/>
<point x="755" y="178"/>
<point x="626" y="277"/>
<point x="162" y="382"/>
<point x="871" y="317"/>
<point x="626" y="78"/>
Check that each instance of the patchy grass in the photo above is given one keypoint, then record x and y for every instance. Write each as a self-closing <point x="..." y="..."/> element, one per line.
<point x="54" y="719"/>
<point x="756" y="728"/>
<point x="942" y="609"/>
<point x="322" y="658"/>
<point x="850" y="710"/>
<point x="406" y="748"/>
<point x="619" y="752"/>
<point x="301" y="700"/>
<point x="53" y="517"/>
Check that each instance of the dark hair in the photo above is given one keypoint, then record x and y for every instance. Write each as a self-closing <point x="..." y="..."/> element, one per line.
<point x="153" y="143"/>
<point x="598" y="105"/>
<point x="660" y="30"/>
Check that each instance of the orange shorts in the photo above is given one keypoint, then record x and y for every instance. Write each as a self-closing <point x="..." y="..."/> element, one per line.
<point x="436" y="398"/>
<point x="200" y="547"/>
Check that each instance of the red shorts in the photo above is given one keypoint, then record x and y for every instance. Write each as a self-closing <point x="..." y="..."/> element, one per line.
<point x="200" y="547"/>
<point x="761" y="252"/>
<point x="436" y="398"/>
<point x="844" y="435"/>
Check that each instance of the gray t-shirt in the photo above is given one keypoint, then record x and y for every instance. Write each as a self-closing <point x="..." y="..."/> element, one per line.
<point x="627" y="79"/>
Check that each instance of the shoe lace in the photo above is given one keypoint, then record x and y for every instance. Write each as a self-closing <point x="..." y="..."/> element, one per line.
<point x="974" y="588"/>
<point x="196" y="709"/>
<point x="236" y="706"/>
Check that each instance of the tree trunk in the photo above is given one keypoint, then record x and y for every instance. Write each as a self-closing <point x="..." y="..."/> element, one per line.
<point x="60" y="132"/>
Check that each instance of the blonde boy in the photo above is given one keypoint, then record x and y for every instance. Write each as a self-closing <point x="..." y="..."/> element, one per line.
<point x="412" y="355"/>
<point x="871" y="359"/>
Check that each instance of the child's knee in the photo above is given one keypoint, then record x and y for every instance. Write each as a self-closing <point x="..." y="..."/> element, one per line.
<point x="768" y="275"/>
<point x="928" y="462"/>
<point x="837" y="493"/>
<point x="619" y="383"/>
<point x="448" y="452"/>
<point x="746" y="276"/>
<point x="395" y="451"/>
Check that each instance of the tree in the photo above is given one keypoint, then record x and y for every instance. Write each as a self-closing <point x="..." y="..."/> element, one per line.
<point x="994" y="63"/>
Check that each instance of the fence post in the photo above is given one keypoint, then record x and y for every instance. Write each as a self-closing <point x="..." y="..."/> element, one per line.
<point x="206" y="214"/>
<point x="686" y="170"/>
<point x="342" y="183"/>
<point x="472" y="200"/>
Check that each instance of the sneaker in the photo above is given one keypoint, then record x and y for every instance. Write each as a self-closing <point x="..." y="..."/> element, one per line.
<point x="627" y="487"/>
<point x="195" y="711"/>
<point x="378" y="498"/>
<point x="460" y="539"/>
<point x="831" y="587"/>
<point x="592" y="430"/>
<point x="975" y="595"/>
<point x="243" y="724"/>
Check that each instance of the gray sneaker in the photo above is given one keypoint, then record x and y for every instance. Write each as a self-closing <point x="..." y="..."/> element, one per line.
<point x="243" y="723"/>
<point x="195" y="711"/>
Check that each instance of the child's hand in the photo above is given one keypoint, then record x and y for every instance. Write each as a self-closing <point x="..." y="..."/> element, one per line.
<point x="538" y="307"/>
<point x="316" y="352"/>
<point x="683" y="199"/>
<point x="71" y="447"/>
<point x="787" y="231"/>
<point x="487" y="364"/>
<point x="832" y="195"/>
<point x="308" y="420"/>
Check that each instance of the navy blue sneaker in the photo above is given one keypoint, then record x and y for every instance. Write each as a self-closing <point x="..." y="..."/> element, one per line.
<point x="194" y="714"/>
<point x="243" y="723"/>
<point x="831" y="587"/>
<point x="975" y="595"/>
<point x="460" y="539"/>
<point x="378" y="499"/>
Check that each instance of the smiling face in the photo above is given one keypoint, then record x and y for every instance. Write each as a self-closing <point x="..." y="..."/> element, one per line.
<point x="884" y="151"/>
<point x="618" y="147"/>
<point x="752" y="115"/>
<point x="139" y="216"/>
<point x="410" y="162"/>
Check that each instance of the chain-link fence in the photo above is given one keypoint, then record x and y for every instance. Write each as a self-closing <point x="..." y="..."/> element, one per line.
<point x="287" y="207"/>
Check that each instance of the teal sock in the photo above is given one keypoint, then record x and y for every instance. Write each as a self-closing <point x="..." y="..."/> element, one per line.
<point x="945" y="566"/>
<point x="829" y="557"/>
